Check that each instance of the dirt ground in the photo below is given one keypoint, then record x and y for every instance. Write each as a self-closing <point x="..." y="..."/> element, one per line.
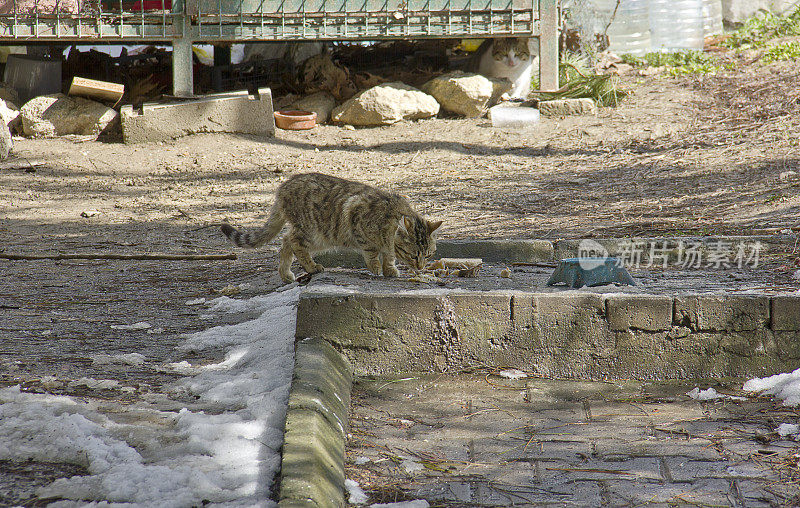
<point x="673" y="159"/>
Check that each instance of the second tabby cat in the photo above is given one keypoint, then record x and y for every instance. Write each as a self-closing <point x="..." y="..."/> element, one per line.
<point x="512" y="58"/>
<point x="325" y="212"/>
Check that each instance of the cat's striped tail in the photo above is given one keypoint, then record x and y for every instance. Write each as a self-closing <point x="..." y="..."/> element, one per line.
<point x="260" y="237"/>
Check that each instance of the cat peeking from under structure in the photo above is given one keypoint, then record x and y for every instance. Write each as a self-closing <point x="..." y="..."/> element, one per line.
<point x="325" y="212"/>
<point x="512" y="58"/>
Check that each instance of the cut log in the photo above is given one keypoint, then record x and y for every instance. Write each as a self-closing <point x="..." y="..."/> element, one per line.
<point x="98" y="90"/>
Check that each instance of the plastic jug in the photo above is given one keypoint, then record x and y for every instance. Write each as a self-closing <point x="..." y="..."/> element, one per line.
<point x="628" y="28"/>
<point x="676" y="25"/>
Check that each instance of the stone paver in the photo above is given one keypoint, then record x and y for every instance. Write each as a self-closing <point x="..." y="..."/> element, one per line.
<point x="482" y="440"/>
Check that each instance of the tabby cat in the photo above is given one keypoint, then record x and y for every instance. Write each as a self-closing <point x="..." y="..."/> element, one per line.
<point x="325" y="212"/>
<point x="513" y="58"/>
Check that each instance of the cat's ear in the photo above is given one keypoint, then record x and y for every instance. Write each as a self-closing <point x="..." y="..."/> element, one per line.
<point x="408" y="224"/>
<point x="433" y="226"/>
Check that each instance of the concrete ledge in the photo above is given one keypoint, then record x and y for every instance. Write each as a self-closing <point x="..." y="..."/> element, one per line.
<point x="491" y="251"/>
<point x="237" y="112"/>
<point x="505" y="251"/>
<point x="572" y="335"/>
<point x="639" y="312"/>
<point x="723" y="313"/>
<point x="312" y="468"/>
<point x="786" y="313"/>
<point x="672" y="250"/>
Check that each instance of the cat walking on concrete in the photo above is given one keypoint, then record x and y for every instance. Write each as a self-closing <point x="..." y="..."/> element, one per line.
<point x="325" y="212"/>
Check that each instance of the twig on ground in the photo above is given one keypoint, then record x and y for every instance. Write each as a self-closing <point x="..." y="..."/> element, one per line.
<point x="133" y="257"/>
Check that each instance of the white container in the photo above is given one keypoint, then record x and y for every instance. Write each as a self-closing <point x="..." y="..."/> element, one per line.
<point x="712" y="17"/>
<point x="628" y="29"/>
<point x="676" y="25"/>
<point x="514" y="117"/>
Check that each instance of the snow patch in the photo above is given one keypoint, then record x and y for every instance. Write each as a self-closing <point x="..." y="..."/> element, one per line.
<point x="784" y="386"/>
<point x="356" y="495"/>
<point x="788" y="429"/>
<point x="411" y="465"/>
<point x="710" y="394"/>
<point x="186" y="457"/>
<point x="417" y="503"/>
<point x="512" y="374"/>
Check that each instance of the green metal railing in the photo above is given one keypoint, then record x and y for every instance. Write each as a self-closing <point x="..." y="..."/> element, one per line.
<point x="184" y="22"/>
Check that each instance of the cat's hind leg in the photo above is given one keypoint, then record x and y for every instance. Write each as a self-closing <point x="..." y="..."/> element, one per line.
<point x="300" y="247"/>
<point x="285" y="258"/>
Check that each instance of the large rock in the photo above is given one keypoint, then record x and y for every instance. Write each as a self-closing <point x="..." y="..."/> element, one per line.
<point x="6" y="144"/>
<point x="321" y="103"/>
<point x="8" y="94"/>
<point x="386" y="104"/>
<point x="501" y="86"/>
<point x="9" y="114"/>
<point x="461" y="93"/>
<point x="59" y="115"/>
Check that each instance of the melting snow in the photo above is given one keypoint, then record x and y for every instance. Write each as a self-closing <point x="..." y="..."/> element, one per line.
<point x="788" y="429"/>
<point x="417" y="503"/>
<point x="173" y="459"/>
<point x="356" y="495"/>
<point x="710" y="394"/>
<point x="512" y="374"/>
<point x="784" y="386"/>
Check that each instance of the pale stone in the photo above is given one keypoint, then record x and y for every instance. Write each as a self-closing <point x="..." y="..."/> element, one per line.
<point x="321" y="103"/>
<point x="59" y="115"/>
<point x="386" y="104"/>
<point x="6" y="143"/>
<point x="500" y="86"/>
<point x="566" y="107"/>
<point x="9" y="114"/>
<point x="461" y="93"/>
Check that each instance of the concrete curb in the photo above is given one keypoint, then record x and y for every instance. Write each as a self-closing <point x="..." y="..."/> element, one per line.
<point x="238" y="112"/>
<point x="312" y="467"/>
<point x="538" y="251"/>
<point x="568" y="335"/>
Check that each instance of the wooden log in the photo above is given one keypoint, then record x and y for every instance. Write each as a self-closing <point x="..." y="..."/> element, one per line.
<point x="94" y="89"/>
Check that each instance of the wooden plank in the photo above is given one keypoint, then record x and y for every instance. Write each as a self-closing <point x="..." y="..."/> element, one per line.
<point x="94" y="89"/>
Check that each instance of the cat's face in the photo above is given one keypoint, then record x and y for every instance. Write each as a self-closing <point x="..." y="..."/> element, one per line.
<point x="513" y="51"/>
<point x="413" y="243"/>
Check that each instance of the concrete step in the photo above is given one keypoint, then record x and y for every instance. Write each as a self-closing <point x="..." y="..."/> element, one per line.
<point x="568" y="335"/>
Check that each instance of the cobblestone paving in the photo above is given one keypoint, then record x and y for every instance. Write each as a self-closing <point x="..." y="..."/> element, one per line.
<point x="477" y="440"/>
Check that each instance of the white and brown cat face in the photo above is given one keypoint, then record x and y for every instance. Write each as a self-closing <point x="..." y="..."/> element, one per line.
<point x="512" y="52"/>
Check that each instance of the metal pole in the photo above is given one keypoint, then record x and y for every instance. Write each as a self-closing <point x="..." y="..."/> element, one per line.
<point x="182" y="72"/>
<point x="548" y="45"/>
<point x="182" y="63"/>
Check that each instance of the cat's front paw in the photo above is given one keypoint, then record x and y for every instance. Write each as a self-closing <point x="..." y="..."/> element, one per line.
<point x="391" y="271"/>
<point x="287" y="277"/>
<point x="318" y="268"/>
